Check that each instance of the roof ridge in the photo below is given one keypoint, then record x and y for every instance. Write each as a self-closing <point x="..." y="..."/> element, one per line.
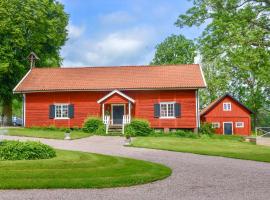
<point x="126" y="66"/>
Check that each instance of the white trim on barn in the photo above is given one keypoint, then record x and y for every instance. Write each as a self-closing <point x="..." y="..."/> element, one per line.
<point x="117" y="92"/>
<point x="24" y="109"/>
<point x="21" y="81"/>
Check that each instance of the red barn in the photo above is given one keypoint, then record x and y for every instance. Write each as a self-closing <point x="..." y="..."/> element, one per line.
<point x="228" y="116"/>
<point x="167" y="96"/>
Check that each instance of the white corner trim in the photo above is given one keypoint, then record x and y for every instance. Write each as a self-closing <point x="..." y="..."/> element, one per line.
<point x="198" y="122"/>
<point x="118" y="92"/>
<point x="203" y="76"/>
<point x="21" y="80"/>
<point x="24" y="109"/>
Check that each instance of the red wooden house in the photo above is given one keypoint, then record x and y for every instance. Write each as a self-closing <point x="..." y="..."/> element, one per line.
<point x="228" y="116"/>
<point x="167" y="96"/>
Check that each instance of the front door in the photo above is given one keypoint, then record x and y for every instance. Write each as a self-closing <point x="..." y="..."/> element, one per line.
<point x="117" y="114"/>
<point x="228" y="129"/>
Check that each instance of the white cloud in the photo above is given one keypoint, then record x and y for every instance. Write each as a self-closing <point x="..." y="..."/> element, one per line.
<point x="75" y="31"/>
<point x="119" y="17"/>
<point x="126" y="47"/>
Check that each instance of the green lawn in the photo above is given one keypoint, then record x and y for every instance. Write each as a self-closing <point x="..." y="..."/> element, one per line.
<point x="72" y="169"/>
<point x="232" y="148"/>
<point x="44" y="133"/>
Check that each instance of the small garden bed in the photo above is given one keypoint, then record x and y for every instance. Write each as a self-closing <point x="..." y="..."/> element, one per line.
<point x="70" y="169"/>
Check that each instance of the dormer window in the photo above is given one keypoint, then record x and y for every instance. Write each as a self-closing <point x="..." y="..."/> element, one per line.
<point x="227" y="106"/>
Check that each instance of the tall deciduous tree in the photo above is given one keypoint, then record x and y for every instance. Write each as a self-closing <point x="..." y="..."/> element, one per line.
<point x="25" y="26"/>
<point x="237" y="41"/>
<point x="175" y="49"/>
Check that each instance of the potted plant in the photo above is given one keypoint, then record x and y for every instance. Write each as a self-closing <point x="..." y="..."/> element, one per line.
<point x="128" y="139"/>
<point x="67" y="134"/>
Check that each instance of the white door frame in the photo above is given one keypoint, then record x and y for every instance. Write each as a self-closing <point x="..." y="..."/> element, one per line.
<point x="224" y="127"/>
<point x="112" y="105"/>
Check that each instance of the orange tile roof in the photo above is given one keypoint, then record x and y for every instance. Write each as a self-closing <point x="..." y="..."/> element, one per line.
<point x="109" y="78"/>
<point x="215" y="102"/>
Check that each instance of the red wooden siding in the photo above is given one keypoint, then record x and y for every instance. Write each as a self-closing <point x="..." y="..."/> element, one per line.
<point x="237" y="114"/>
<point x="85" y="104"/>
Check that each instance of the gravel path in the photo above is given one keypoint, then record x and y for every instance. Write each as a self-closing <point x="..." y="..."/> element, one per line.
<point x="194" y="177"/>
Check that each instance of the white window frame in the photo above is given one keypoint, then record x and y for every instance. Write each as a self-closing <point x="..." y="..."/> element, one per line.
<point x="55" y="110"/>
<point x="215" y="125"/>
<point x="167" y="110"/>
<point x="241" y="126"/>
<point x="227" y="106"/>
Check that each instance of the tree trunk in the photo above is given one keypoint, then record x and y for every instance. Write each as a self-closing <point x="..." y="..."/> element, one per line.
<point x="7" y="111"/>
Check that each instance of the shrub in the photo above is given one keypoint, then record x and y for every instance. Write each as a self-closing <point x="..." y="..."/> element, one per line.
<point x="101" y="130"/>
<point x="206" y="129"/>
<point x="15" y="150"/>
<point x="76" y="128"/>
<point x="138" y="127"/>
<point x="91" y="124"/>
<point x="129" y="130"/>
<point x="186" y="134"/>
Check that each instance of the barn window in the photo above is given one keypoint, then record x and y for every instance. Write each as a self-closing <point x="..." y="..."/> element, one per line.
<point x="167" y="110"/>
<point x="215" y="125"/>
<point x="61" y="111"/>
<point x="227" y="106"/>
<point x="239" y="124"/>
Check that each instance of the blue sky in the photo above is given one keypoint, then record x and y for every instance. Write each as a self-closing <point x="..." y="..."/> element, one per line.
<point x="120" y="32"/>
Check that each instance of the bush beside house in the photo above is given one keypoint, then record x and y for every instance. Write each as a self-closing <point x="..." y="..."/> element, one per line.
<point x="138" y="127"/>
<point x="94" y="125"/>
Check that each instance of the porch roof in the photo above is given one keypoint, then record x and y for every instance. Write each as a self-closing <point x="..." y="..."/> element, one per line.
<point x="116" y="92"/>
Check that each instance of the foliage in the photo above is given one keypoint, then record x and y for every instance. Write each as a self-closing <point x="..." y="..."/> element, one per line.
<point x="15" y="150"/>
<point x="206" y="129"/>
<point x="175" y="49"/>
<point x="91" y="124"/>
<point x="138" y="127"/>
<point x="235" y="49"/>
<point x="185" y="134"/>
<point x="178" y="133"/>
<point x="26" y="26"/>
<point x="73" y="169"/>
<point x="101" y="130"/>
<point x="130" y="131"/>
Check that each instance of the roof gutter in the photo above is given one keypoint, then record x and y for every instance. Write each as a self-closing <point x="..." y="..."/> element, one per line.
<point x="105" y="90"/>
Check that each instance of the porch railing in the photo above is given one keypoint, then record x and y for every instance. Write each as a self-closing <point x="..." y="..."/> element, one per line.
<point x="126" y="120"/>
<point x="106" y="121"/>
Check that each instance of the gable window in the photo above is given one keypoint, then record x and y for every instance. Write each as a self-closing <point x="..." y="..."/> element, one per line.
<point x="61" y="111"/>
<point x="167" y="110"/>
<point x="239" y="124"/>
<point x="227" y="106"/>
<point x="215" y="125"/>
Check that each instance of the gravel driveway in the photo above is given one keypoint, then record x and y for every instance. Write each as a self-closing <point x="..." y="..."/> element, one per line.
<point x="194" y="177"/>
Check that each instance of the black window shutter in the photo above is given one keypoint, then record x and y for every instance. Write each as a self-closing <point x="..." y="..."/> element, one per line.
<point x="177" y="109"/>
<point x="156" y="110"/>
<point x="71" y="110"/>
<point x="51" y="112"/>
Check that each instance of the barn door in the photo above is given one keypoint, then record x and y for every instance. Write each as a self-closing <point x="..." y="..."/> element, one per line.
<point x="228" y="128"/>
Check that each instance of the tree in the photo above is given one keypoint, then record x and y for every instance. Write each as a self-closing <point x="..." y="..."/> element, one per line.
<point x="25" y="26"/>
<point x="175" y="49"/>
<point x="237" y="40"/>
